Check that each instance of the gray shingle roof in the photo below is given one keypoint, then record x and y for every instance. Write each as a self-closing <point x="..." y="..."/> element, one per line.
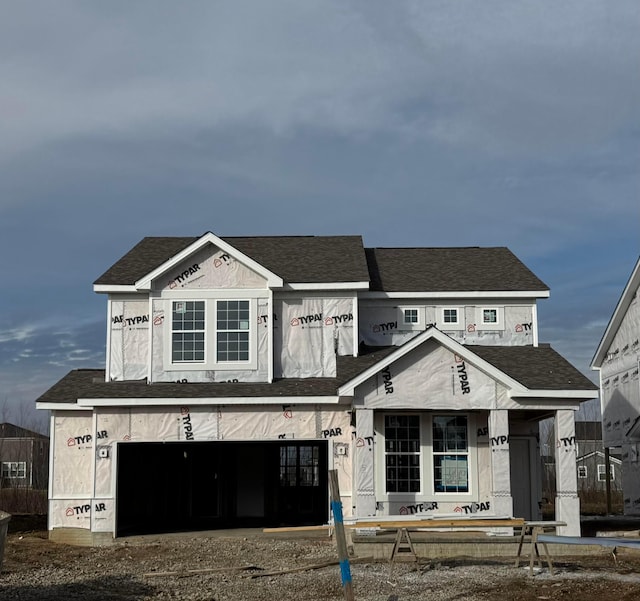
<point x="326" y="259"/>
<point x="90" y="384"/>
<point x="296" y="259"/>
<point x="449" y="270"/>
<point x="537" y="368"/>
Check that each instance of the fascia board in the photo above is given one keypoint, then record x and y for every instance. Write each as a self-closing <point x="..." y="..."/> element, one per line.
<point x="617" y="317"/>
<point x="348" y="388"/>
<point x="52" y="406"/>
<point x="209" y="401"/>
<point x="273" y="280"/>
<point x="528" y="294"/>
<point x="114" y="289"/>
<point x="556" y="394"/>
<point x="328" y="286"/>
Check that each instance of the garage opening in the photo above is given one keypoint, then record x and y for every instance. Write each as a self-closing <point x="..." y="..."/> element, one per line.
<point x="186" y="486"/>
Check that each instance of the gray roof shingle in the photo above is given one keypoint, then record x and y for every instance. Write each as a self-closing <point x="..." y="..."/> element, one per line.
<point x="449" y="270"/>
<point x="537" y="368"/>
<point x="90" y="384"/>
<point x="296" y="259"/>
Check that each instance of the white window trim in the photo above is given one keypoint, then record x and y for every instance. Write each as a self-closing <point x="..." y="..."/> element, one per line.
<point x="446" y="325"/>
<point x="427" y="492"/>
<point x="210" y="362"/>
<point x="602" y="472"/>
<point x="582" y="472"/>
<point x="480" y="325"/>
<point x="417" y="326"/>
<point x="20" y="466"/>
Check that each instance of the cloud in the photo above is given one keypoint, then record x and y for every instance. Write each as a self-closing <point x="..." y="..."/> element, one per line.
<point x="502" y="77"/>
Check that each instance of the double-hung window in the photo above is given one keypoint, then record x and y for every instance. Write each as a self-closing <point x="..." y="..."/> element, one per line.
<point x="402" y="453"/>
<point x="232" y="330"/>
<point x="188" y="332"/>
<point x="450" y="454"/>
<point x="212" y="334"/>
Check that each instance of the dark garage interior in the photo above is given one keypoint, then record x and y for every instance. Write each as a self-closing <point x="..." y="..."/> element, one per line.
<point x="197" y="485"/>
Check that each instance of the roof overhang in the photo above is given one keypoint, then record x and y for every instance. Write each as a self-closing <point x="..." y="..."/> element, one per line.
<point x="616" y="319"/>
<point x="114" y="289"/>
<point x="455" y="294"/>
<point x="273" y="280"/>
<point x="328" y="286"/>
<point x="84" y="404"/>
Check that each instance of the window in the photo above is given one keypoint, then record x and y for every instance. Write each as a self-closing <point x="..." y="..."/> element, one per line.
<point x="211" y="334"/>
<point x="450" y="454"/>
<point x="582" y="471"/>
<point x="402" y="453"/>
<point x="232" y="323"/>
<point x="187" y="331"/>
<point x="450" y="316"/>
<point x="490" y="316"/>
<point x="14" y="469"/>
<point x="410" y="316"/>
<point x="299" y="465"/>
<point x="602" y="472"/>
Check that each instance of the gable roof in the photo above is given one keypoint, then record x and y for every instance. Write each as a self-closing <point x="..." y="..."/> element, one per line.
<point x="296" y="259"/>
<point x="618" y="315"/>
<point x="343" y="259"/>
<point x="449" y="270"/>
<point x="612" y="459"/>
<point x="8" y="430"/>
<point x="529" y="371"/>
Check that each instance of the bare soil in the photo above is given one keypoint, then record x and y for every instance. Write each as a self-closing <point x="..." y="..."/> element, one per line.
<point x="207" y="568"/>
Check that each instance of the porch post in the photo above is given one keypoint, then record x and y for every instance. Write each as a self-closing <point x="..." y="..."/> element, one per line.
<point x="502" y="501"/>
<point x="365" y="497"/>
<point x="567" y="500"/>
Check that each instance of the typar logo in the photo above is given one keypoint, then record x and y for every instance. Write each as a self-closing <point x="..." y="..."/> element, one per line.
<point x="223" y="259"/>
<point x="462" y="374"/>
<point x="183" y="277"/>
<point x="306" y="320"/>
<point x="84" y="510"/>
<point x="186" y="423"/>
<point x="473" y="508"/>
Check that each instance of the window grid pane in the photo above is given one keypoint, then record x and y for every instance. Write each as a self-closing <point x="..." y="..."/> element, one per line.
<point x="450" y="316"/>
<point x="232" y="338"/>
<point x="450" y="454"/>
<point x="187" y="339"/>
<point x="490" y="316"/>
<point x="402" y="453"/>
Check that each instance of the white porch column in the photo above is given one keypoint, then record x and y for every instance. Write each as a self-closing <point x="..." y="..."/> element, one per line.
<point x="502" y="501"/>
<point x="567" y="500"/>
<point x="364" y="483"/>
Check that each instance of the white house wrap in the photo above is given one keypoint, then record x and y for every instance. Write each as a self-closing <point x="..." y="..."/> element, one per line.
<point x="240" y="371"/>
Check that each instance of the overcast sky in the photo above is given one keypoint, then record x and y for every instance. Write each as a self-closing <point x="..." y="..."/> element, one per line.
<point x="412" y="123"/>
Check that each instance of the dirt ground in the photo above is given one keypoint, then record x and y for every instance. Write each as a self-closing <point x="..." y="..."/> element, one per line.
<point x="207" y="568"/>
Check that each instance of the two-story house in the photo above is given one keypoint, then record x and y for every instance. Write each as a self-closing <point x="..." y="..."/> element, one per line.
<point x="240" y="370"/>
<point x="617" y="360"/>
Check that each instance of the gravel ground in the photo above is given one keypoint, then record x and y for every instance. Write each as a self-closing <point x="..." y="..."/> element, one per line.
<point x="241" y="568"/>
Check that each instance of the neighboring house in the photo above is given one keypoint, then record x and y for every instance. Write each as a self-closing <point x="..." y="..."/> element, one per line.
<point x="240" y="370"/>
<point x="618" y="360"/>
<point x="24" y="458"/>
<point x="592" y="472"/>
